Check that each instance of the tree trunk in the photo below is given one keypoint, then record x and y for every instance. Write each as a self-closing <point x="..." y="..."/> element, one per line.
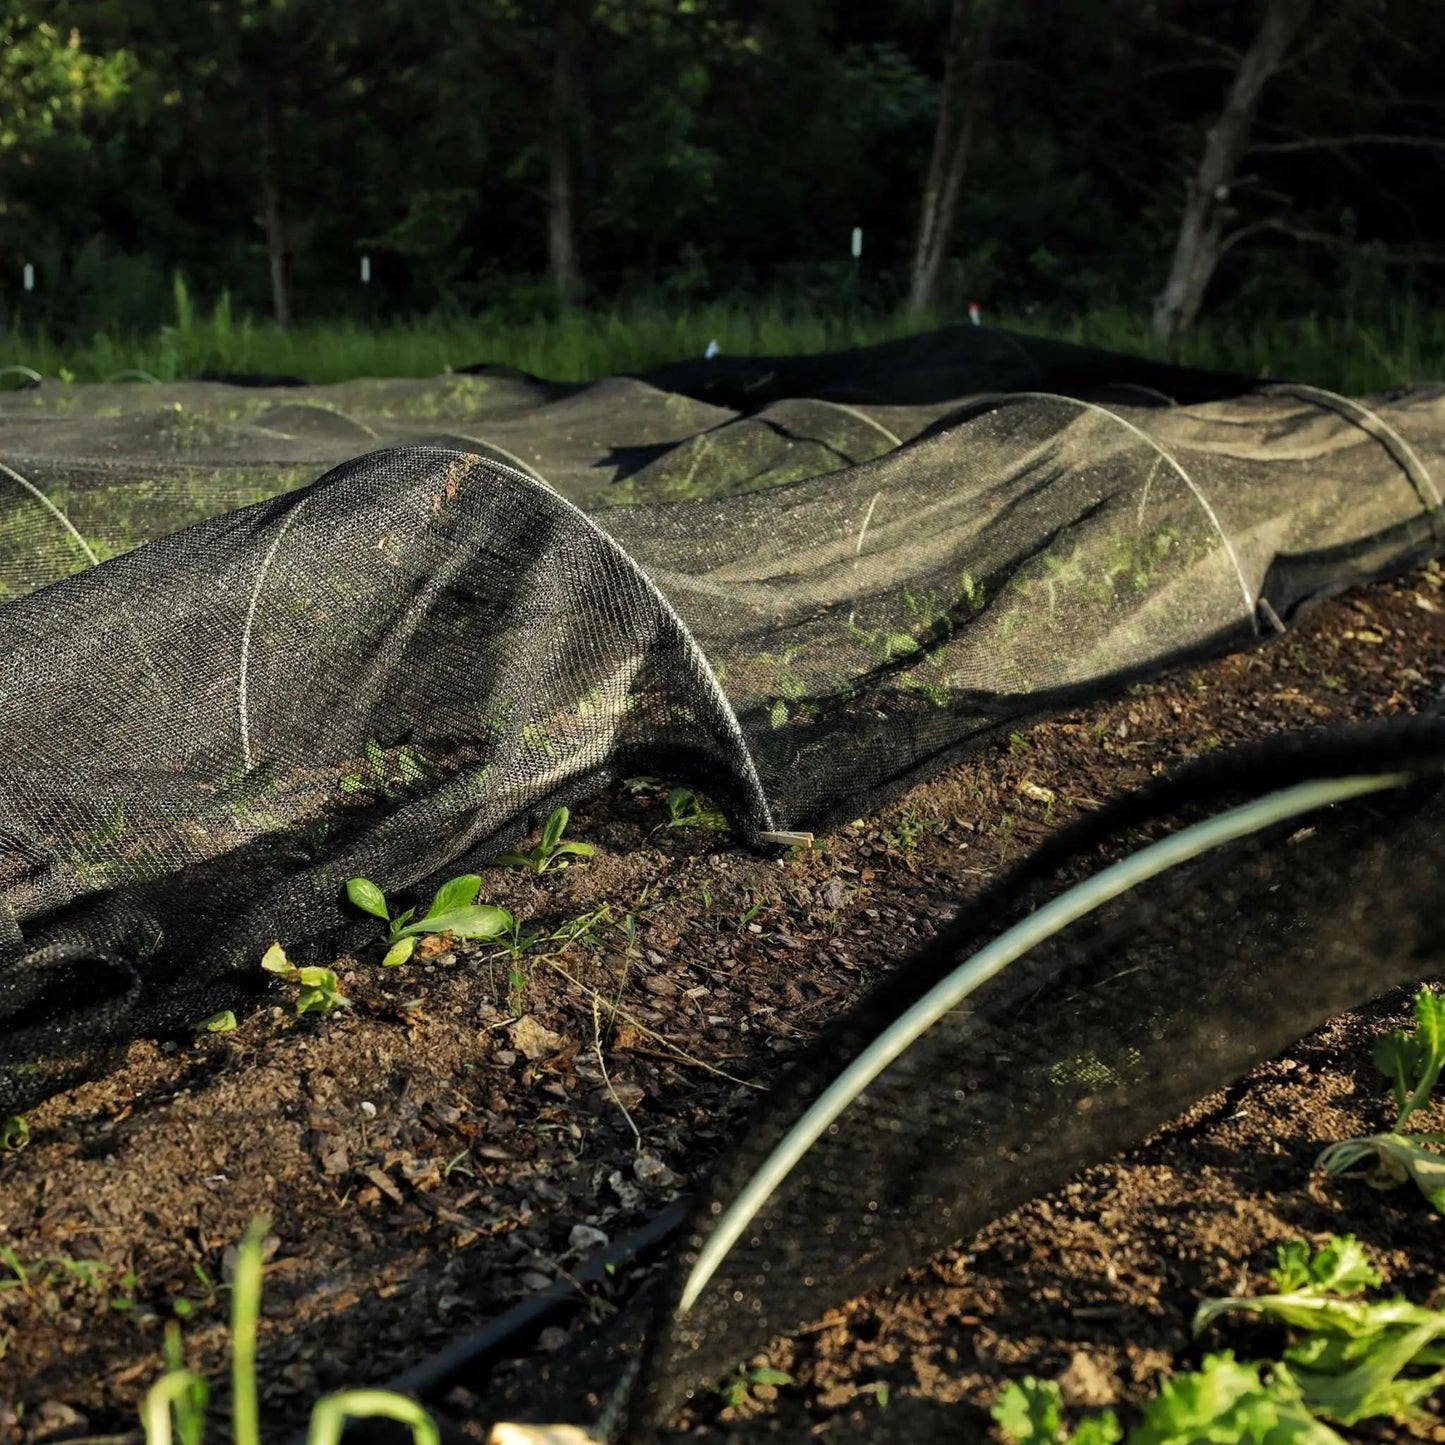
<point x="1200" y="241"/>
<point x="273" y="208"/>
<point x="970" y="38"/>
<point x="561" y="171"/>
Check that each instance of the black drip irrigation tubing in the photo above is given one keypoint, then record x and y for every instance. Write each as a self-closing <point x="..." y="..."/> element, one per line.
<point x="512" y="1332"/>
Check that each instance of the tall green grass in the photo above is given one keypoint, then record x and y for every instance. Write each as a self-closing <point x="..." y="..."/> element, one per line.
<point x="1336" y="352"/>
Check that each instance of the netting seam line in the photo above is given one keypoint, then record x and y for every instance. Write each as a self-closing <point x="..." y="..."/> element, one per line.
<point x="243" y="676"/>
<point x="53" y="510"/>
<point x="992" y="959"/>
<point x="860" y="416"/>
<point x="1368" y="420"/>
<point x="699" y="658"/>
<point x="1250" y="601"/>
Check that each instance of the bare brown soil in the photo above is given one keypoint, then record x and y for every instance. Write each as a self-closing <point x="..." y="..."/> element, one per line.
<point x="458" y="1139"/>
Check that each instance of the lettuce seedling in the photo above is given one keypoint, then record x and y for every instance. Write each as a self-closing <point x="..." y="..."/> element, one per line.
<point x="1347" y="1363"/>
<point x="1350" y="1360"/>
<point x="452" y="910"/>
<point x="317" y="987"/>
<point x="1412" y="1061"/>
<point x="549" y="847"/>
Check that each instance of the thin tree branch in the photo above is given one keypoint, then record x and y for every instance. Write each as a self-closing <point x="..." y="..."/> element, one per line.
<point x="1331" y="142"/>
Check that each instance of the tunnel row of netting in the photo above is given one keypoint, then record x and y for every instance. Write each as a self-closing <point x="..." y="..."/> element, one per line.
<point x="1144" y="958"/>
<point x="213" y="713"/>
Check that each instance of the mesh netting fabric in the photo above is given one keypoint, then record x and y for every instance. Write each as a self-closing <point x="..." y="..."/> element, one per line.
<point x="1074" y="1007"/>
<point x="213" y="713"/>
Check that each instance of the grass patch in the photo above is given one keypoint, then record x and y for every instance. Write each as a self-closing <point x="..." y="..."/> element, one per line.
<point x="1404" y="345"/>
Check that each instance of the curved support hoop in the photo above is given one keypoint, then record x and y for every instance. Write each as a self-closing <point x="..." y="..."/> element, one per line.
<point x="946" y="995"/>
<point x="1401" y="452"/>
<point x="511" y="457"/>
<point x="719" y="698"/>
<point x="244" y="674"/>
<point x="860" y="416"/>
<point x="994" y="401"/>
<point x="90" y="557"/>
<point x="27" y="372"/>
<point x="133" y="374"/>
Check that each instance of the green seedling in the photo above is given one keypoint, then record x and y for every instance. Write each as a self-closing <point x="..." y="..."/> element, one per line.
<point x="223" y="1022"/>
<point x="550" y="847"/>
<point x="740" y="1386"/>
<point x="452" y="910"/>
<point x="1350" y="1355"/>
<point x="390" y="778"/>
<point x="14" y="1133"/>
<point x="686" y="809"/>
<point x="175" y="1406"/>
<point x="317" y="990"/>
<point x="1347" y="1362"/>
<point x="1412" y="1061"/>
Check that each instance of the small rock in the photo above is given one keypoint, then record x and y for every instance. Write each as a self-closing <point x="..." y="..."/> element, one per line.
<point x="535" y="1280"/>
<point x="552" y="1338"/>
<point x="1086" y="1382"/>
<point x="584" y="1238"/>
<point x="368" y="1109"/>
<point x="55" y="1420"/>
<point x="833" y="893"/>
<point x="628" y="1194"/>
<point x="651" y="1171"/>
<point x="533" y="1039"/>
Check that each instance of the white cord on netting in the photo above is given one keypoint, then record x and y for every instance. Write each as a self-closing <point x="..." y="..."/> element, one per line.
<point x="950" y="992"/>
<point x="243" y="677"/>
<point x="54" y="511"/>
<point x="860" y="416"/>
<point x="1401" y="452"/>
<point x="1002" y="399"/>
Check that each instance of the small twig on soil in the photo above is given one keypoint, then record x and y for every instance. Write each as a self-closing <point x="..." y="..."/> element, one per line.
<point x="642" y="1028"/>
<point x="606" y="1078"/>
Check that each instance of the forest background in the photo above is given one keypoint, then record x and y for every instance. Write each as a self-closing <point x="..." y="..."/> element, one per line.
<point x="327" y="162"/>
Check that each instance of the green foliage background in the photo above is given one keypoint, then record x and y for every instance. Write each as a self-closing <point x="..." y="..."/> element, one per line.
<point x="727" y="149"/>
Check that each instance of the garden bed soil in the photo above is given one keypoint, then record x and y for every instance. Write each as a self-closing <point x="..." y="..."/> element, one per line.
<point x="474" y="1124"/>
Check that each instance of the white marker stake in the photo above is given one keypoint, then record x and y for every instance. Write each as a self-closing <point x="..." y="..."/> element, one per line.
<point x="29" y="275"/>
<point x="711" y="349"/>
<point x="366" y="270"/>
<point x="857" y="242"/>
<point x="973" y="313"/>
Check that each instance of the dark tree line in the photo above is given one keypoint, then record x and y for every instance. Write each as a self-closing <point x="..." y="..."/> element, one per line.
<point x="1164" y="154"/>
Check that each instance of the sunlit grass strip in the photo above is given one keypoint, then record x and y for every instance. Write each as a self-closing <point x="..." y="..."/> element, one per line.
<point x="1350" y="357"/>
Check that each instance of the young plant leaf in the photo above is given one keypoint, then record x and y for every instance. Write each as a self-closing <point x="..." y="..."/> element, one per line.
<point x="483" y="920"/>
<point x="223" y="1022"/>
<point x="274" y="960"/>
<point x="458" y="893"/>
<point x="553" y="829"/>
<point x="399" y="952"/>
<point x="368" y="897"/>
<point x="1031" y="1412"/>
<point x="1391" y="1160"/>
<point x="580" y="850"/>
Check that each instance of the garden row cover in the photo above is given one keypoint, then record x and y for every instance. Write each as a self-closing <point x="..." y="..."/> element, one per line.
<point x="259" y="641"/>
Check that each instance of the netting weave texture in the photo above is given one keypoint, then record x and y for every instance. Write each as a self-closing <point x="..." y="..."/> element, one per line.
<point x="225" y="692"/>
